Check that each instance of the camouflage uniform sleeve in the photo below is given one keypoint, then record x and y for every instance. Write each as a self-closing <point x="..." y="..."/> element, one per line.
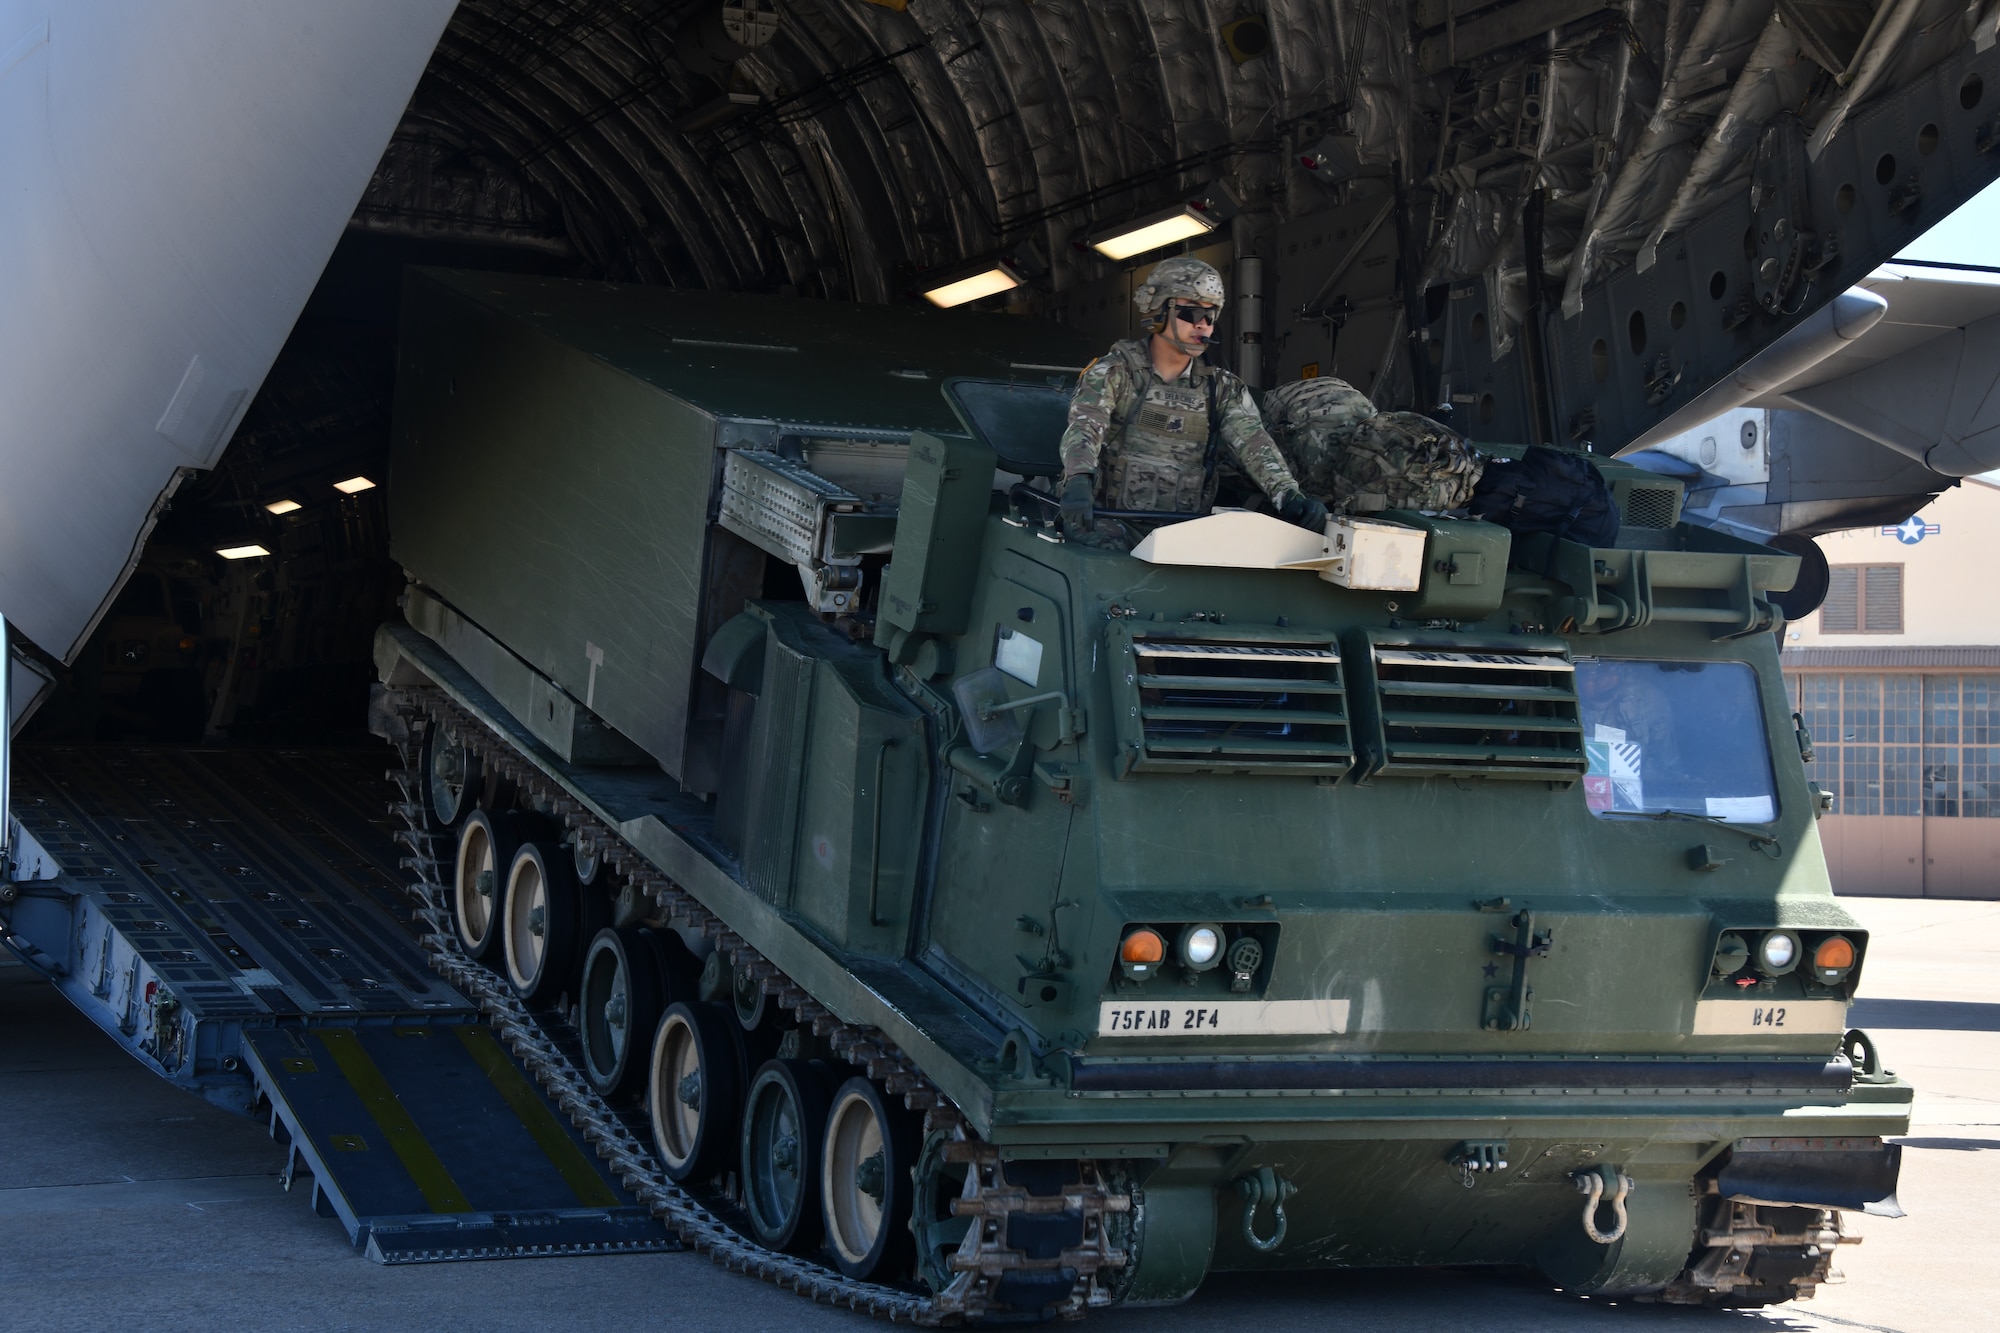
<point x="1255" y="451"/>
<point x="1091" y="408"/>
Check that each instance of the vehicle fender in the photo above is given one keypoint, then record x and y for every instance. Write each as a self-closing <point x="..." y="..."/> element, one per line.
<point x="1837" y="1173"/>
<point x="735" y="652"/>
<point x="1659" y="1235"/>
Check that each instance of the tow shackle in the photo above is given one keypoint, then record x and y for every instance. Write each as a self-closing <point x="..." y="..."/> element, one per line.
<point x="1264" y="1186"/>
<point x="1600" y="1185"/>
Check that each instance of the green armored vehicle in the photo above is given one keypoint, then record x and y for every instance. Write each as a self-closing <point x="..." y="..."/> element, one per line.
<point x="1016" y="927"/>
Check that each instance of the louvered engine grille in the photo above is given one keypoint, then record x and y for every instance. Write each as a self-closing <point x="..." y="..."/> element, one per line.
<point x="1510" y="715"/>
<point x="1220" y="705"/>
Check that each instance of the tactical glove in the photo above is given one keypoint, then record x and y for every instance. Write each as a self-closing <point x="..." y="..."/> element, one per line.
<point x="1079" y="510"/>
<point x="1303" y="510"/>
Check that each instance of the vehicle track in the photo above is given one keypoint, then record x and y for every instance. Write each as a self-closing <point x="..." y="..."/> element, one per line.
<point x="983" y="1258"/>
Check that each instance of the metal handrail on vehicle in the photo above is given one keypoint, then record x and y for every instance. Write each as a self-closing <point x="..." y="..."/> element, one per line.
<point x="1021" y="491"/>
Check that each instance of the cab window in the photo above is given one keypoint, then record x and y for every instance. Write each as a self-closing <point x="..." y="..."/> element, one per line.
<point x="1674" y="736"/>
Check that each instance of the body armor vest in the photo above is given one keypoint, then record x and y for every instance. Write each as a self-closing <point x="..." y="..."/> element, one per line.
<point x="1160" y="454"/>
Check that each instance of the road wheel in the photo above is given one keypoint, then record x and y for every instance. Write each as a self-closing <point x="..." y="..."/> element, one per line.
<point x="586" y="857"/>
<point x="451" y="777"/>
<point x="784" y="1133"/>
<point x="679" y="969"/>
<point x="865" y="1182"/>
<point x="692" y="1091"/>
<point x="486" y="846"/>
<point x="619" y="1004"/>
<point x="938" y="1233"/>
<point x="543" y="922"/>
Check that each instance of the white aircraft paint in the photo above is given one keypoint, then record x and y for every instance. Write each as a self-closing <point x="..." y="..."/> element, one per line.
<point x="173" y="178"/>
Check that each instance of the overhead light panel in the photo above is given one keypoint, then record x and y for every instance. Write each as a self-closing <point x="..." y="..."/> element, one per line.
<point x="964" y="286"/>
<point x="354" y="485"/>
<point x="1246" y="38"/>
<point x="284" y="507"/>
<point x="1179" y="223"/>
<point x="241" y="552"/>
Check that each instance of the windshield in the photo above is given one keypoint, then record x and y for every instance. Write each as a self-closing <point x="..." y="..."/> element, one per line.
<point x="1022" y="423"/>
<point x="1684" y="736"/>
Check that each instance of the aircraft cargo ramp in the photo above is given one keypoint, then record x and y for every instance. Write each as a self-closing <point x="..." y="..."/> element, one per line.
<point x="232" y="918"/>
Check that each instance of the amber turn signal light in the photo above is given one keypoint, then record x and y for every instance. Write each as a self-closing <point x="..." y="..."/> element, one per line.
<point x="1140" y="952"/>
<point x="1142" y="946"/>
<point x="1833" y="959"/>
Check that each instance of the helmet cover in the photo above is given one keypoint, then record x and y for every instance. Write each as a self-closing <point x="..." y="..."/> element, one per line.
<point x="1180" y="279"/>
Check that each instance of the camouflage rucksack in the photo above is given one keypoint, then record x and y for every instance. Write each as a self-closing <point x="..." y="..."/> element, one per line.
<point x="1404" y="460"/>
<point x="1355" y="459"/>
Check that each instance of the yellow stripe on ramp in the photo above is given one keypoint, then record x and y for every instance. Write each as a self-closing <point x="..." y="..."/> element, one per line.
<point x="440" y="1191"/>
<point x="570" y="1162"/>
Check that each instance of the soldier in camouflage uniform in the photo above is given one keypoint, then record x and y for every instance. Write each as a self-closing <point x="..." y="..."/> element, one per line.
<point x="1360" y="461"/>
<point x="1148" y="417"/>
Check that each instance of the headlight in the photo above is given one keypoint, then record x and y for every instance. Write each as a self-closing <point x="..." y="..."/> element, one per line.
<point x="1731" y="953"/>
<point x="1201" y="947"/>
<point x="1833" y="959"/>
<point x="1778" y="953"/>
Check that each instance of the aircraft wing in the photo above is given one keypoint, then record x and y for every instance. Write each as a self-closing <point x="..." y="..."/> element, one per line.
<point x="1866" y="433"/>
<point x="173" y="177"/>
<point x="1925" y="381"/>
<point x="1926" y="302"/>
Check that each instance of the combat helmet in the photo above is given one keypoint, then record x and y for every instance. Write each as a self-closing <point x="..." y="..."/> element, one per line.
<point x="1180" y="279"/>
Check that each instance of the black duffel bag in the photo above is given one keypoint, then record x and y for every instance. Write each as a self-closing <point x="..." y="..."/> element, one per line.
<point x="1547" y="490"/>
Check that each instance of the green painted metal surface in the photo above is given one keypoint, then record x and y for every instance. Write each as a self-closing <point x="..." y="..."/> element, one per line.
<point x="1428" y="812"/>
<point x="557" y="447"/>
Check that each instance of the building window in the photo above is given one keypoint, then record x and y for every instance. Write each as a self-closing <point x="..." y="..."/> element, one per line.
<point x="1902" y="710"/>
<point x="1979" y="755"/>
<point x="1979" y="780"/>
<point x="1902" y="757"/>
<point x="1860" y="780"/>
<point x="1904" y="744"/>
<point x="1863" y="599"/>
<point x="1941" y="745"/>
<point x="1860" y="710"/>
<point x="1902" y="771"/>
<point x="1980" y="704"/>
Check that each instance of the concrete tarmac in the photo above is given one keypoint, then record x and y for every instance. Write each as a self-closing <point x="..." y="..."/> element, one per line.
<point x="127" y="1204"/>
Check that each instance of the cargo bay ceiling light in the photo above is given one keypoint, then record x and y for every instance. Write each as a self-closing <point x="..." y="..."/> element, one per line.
<point x="970" y="284"/>
<point x="283" y="507"/>
<point x="241" y="552"/>
<point x="354" y="485"/>
<point x="1179" y="223"/>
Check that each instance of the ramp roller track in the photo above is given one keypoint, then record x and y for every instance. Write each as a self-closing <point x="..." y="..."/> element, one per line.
<point x="982" y="1260"/>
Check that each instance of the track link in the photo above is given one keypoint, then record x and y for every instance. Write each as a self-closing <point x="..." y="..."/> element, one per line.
<point x="1093" y="1266"/>
<point x="1749" y="1255"/>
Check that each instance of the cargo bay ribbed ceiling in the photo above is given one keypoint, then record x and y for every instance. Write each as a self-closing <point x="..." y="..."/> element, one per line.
<point x="839" y="147"/>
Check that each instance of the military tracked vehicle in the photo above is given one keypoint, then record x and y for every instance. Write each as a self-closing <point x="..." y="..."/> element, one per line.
<point x="978" y="923"/>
